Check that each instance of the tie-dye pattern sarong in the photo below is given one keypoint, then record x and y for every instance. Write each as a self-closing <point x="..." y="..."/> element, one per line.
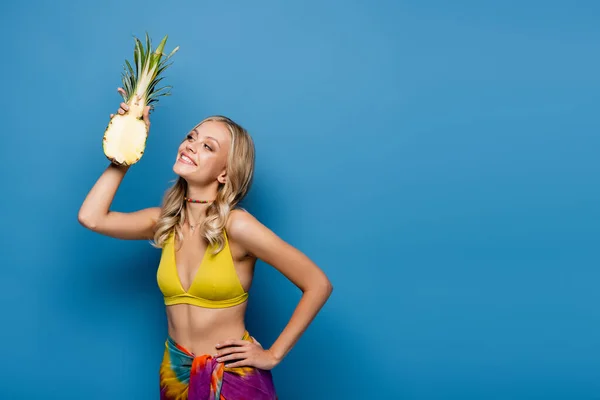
<point x="184" y="376"/>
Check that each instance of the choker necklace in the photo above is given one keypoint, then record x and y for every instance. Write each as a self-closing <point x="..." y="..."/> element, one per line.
<point x="196" y="201"/>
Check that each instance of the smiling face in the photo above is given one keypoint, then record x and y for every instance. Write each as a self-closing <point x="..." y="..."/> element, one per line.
<point x="202" y="156"/>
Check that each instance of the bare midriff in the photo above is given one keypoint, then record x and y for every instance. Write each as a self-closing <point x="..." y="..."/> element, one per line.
<point x="199" y="329"/>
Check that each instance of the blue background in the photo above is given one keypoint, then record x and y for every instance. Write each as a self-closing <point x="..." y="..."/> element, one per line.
<point x="438" y="160"/>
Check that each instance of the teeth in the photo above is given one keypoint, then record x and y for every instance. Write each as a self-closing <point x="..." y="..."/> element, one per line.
<point x="187" y="159"/>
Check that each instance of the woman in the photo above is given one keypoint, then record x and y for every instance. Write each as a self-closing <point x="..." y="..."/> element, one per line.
<point x="209" y="250"/>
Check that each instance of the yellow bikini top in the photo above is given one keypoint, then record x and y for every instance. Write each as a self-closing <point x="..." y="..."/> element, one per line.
<point x="215" y="285"/>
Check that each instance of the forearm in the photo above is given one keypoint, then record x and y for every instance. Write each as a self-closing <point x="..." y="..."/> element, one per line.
<point x="97" y="202"/>
<point x="309" y="305"/>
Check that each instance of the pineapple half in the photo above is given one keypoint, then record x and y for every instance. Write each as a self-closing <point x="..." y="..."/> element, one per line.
<point x="125" y="137"/>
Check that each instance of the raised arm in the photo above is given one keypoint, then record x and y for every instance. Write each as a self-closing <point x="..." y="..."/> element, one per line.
<point x="95" y="213"/>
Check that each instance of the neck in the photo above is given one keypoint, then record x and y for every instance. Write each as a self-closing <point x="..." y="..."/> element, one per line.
<point x="197" y="211"/>
<point x="205" y="193"/>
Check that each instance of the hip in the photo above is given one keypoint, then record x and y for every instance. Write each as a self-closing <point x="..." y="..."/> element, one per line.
<point x="185" y="375"/>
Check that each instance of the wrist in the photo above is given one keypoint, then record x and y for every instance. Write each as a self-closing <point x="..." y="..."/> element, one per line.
<point x="122" y="168"/>
<point x="277" y="357"/>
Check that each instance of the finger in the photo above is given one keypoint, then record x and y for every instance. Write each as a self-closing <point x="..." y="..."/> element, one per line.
<point x="231" y="342"/>
<point x="241" y="363"/>
<point x="230" y="350"/>
<point x="147" y="115"/>
<point x="112" y="115"/>
<point x="121" y="111"/>
<point x="232" y="356"/>
<point x="124" y="106"/>
<point x="121" y="90"/>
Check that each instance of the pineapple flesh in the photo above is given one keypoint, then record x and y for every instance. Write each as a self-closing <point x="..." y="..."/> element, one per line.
<point x="125" y="137"/>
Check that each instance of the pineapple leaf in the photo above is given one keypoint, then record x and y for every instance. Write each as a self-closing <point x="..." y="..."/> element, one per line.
<point x="173" y="52"/>
<point x="162" y="68"/>
<point x="128" y="86"/>
<point x="139" y="51"/>
<point x="153" y="85"/>
<point x="141" y="55"/>
<point x="149" y="65"/>
<point x="148" y="45"/>
<point x="159" y="93"/>
<point x="130" y="69"/>
<point x="136" y="59"/>
<point x="164" y="87"/>
<point x="159" y="52"/>
<point x="149" y="55"/>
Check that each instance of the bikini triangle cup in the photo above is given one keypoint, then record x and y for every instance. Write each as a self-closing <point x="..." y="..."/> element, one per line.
<point x="215" y="284"/>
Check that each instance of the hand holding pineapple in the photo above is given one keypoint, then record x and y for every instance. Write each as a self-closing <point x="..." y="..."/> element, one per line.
<point x="123" y="108"/>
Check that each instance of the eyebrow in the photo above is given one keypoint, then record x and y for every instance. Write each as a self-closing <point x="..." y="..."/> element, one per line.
<point x="209" y="137"/>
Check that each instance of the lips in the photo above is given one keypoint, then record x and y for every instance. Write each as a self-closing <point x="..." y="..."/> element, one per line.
<point x="185" y="158"/>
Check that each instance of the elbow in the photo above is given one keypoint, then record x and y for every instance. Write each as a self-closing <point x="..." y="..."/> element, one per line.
<point x="324" y="287"/>
<point x="318" y="285"/>
<point x="86" y="222"/>
<point x="323" y="290"/>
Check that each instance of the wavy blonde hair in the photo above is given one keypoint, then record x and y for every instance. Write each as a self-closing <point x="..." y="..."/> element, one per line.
<point x="240" y="172"/>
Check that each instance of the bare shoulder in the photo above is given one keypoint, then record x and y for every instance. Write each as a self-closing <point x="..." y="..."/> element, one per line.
<point x="240" y="222"/>
<point x="257" y="239"/>
<point x="247" y="231"/>
<point x="262" y="243"/>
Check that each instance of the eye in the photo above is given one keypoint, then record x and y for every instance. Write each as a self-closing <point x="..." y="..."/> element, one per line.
<point x="207" y="146"/>
<point x="189" y="136"/>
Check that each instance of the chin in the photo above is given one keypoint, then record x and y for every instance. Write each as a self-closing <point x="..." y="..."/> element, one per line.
<point x="188" y="172"/>
<point x="182" y="170"/>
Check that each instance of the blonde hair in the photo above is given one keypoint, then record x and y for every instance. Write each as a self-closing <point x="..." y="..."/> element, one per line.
<point x="240" y="172"/>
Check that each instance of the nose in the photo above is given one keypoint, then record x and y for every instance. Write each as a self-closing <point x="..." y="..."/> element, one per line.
<point x="190" y="148"/>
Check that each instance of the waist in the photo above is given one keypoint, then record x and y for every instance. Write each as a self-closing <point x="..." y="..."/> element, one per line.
<point x="191" y="352"/>
<point x="200" y="329"/>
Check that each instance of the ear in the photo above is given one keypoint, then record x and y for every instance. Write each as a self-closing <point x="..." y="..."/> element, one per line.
<point x="223" y="177"/>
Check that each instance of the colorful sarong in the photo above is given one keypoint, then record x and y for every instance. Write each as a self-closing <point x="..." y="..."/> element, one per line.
<point x="185" y="376"/>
